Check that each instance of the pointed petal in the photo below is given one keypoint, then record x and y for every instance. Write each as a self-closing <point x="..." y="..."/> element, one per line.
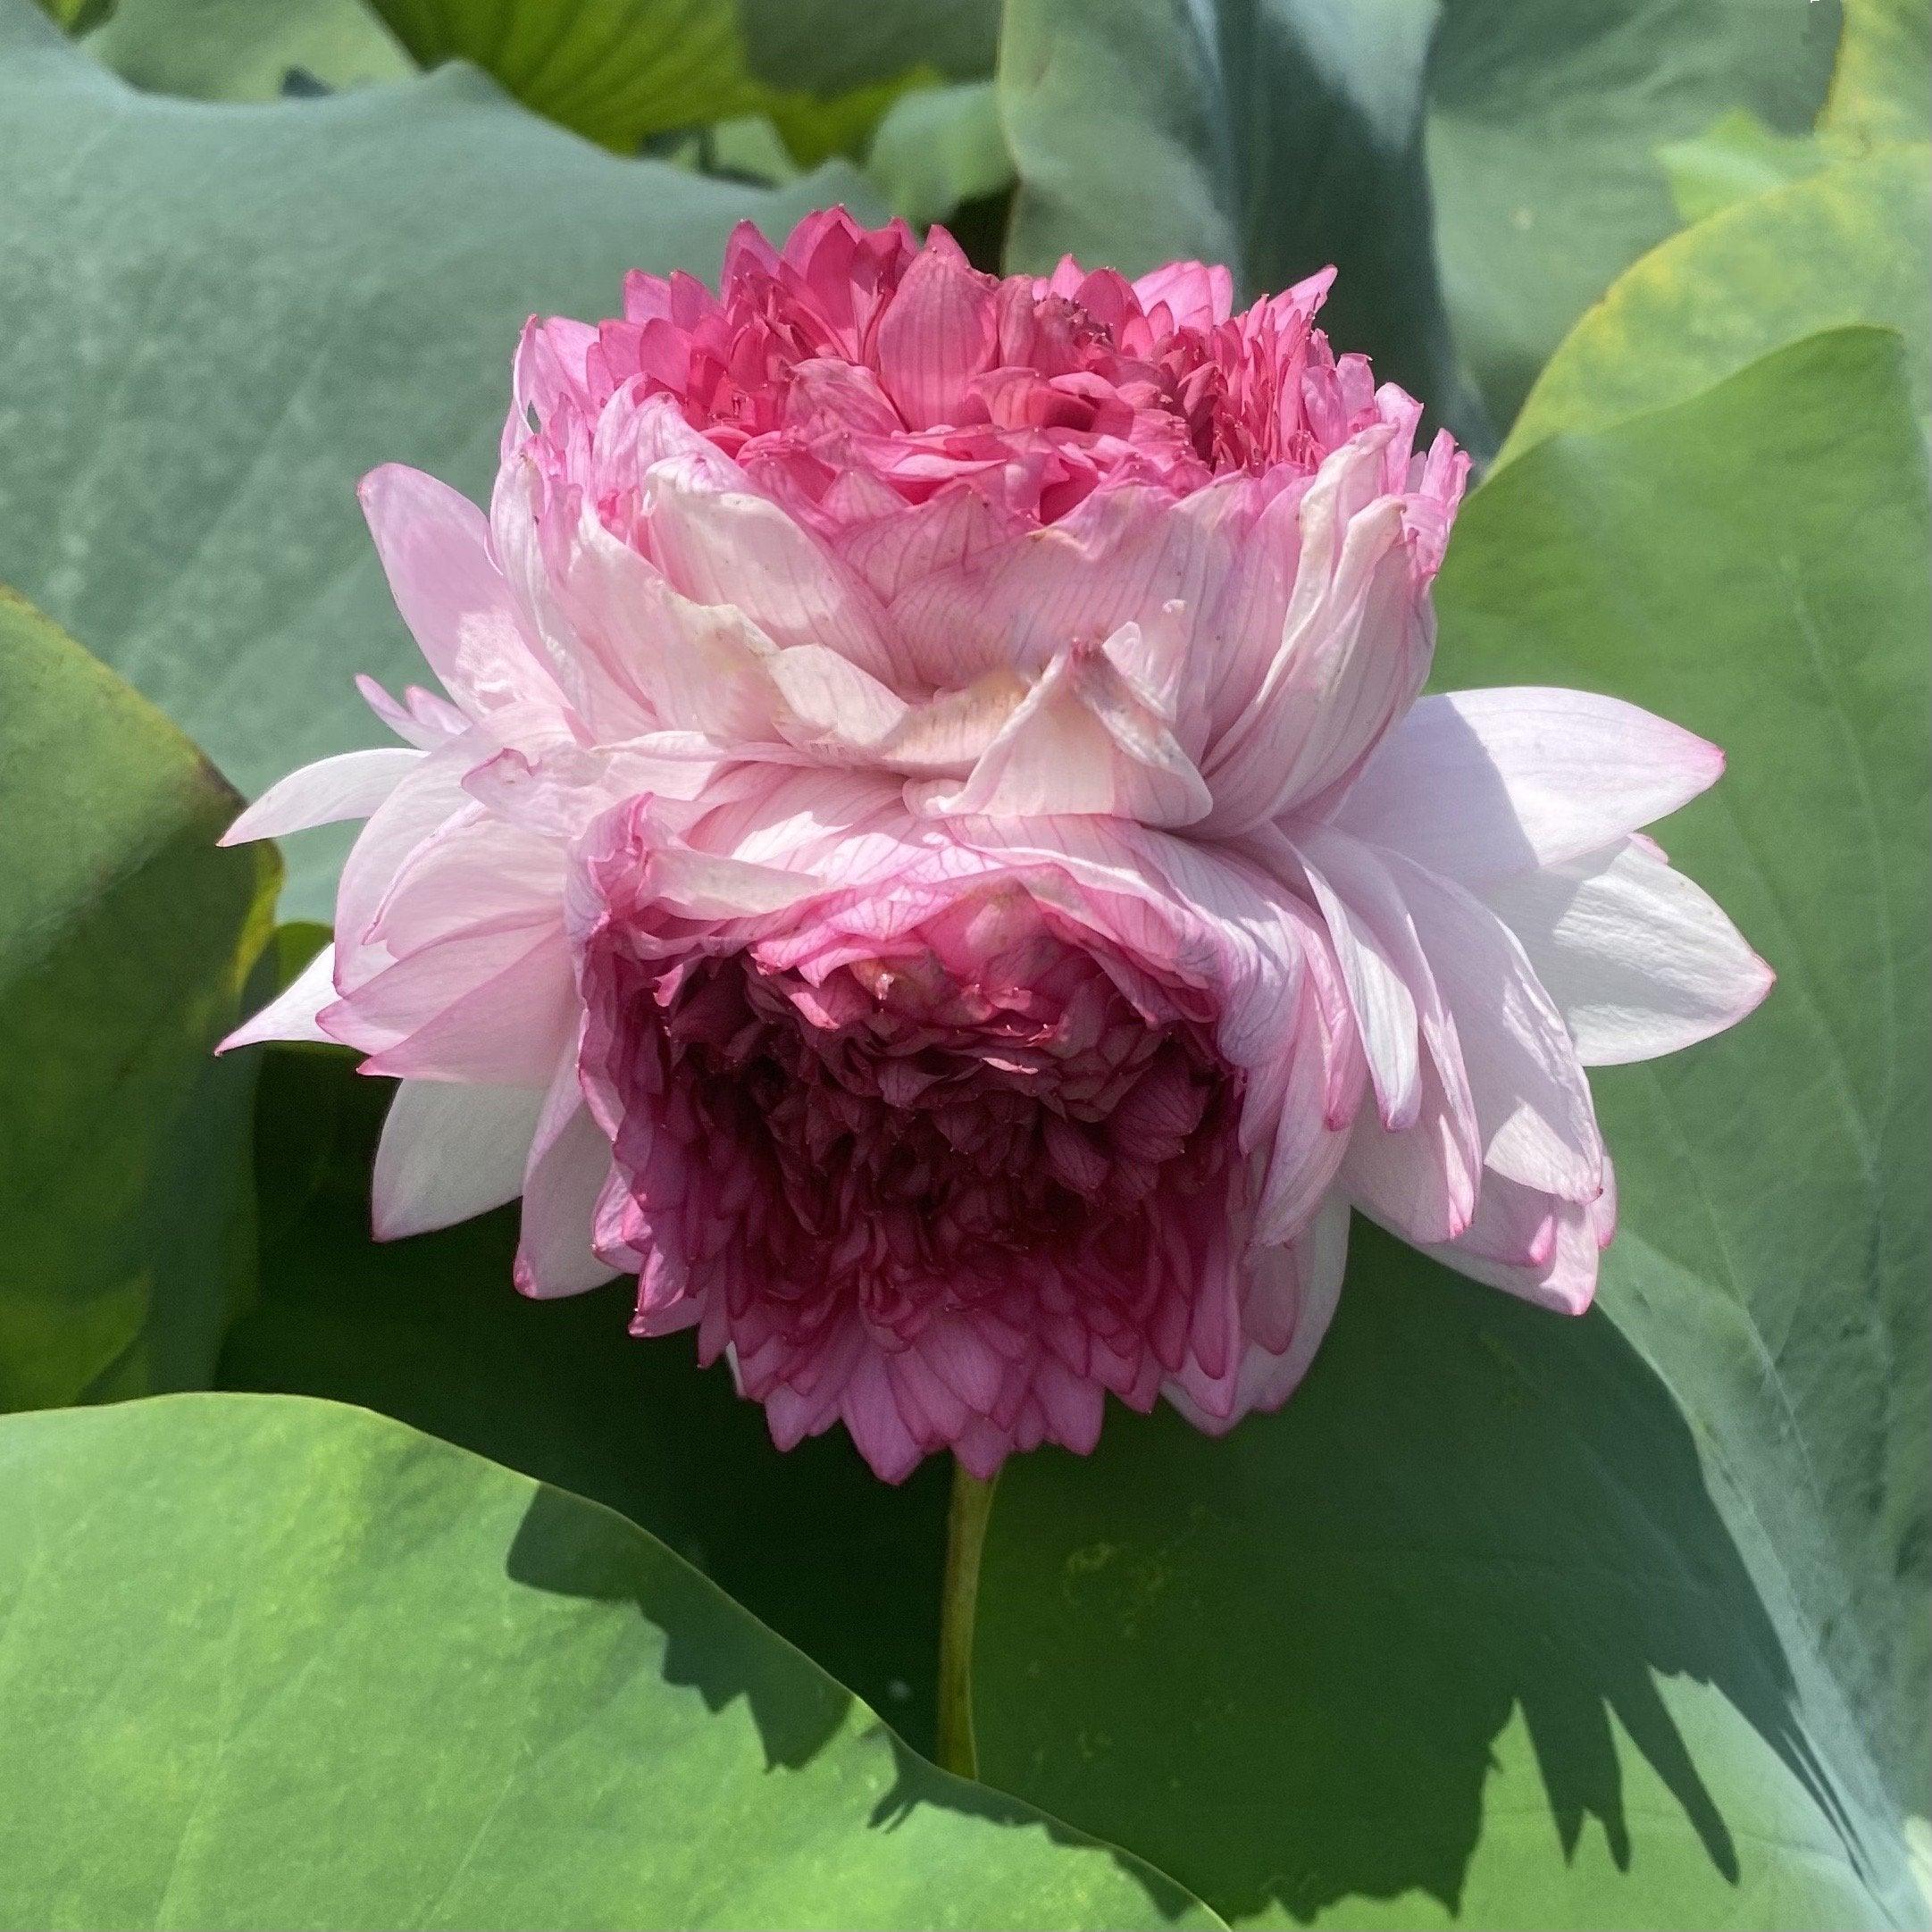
<point x="570" y="1164"/>
<point x="434" y="547"/>
<point x="1420" y="1184"/>
<point x="940" y="329"/>
<point x="1479" y="785"/>
<point x="350" y="785"/>
<point x="1304" y="1281"/>
<point x="291" y="1015"/>
<point x="1384" y="1006"/>
<point x="1533" y="1246"/>
<point x="1420" y="1180"/>
<point x="1640" y="960"/>
<point x="482" y="1008"/>
<point x="1533" y="1103"/>
<point x="1197" y="296"/>
<point x="448" y="1152"/>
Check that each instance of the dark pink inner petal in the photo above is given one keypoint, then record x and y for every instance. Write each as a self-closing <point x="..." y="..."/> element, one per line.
<point x="986" y="1123"/>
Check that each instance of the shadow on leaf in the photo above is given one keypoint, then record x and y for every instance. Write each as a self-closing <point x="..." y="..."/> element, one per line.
<point x="1281" y="1665"/>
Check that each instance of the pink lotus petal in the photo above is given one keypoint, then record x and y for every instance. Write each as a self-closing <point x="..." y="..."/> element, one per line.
<point x="434" y="546"/>
<point x="1087" y="739"/>
<point x="449" y="1152"/>
<point x="569" y="1165"/>
<point x="294" y="1014"/>
<point x="1534" y="1246"/>
<point x="1533" y="1104"/>
<point x="931" y="861"/>
<point x="350" y="785"/>
<point x="1540" y="777"/>
<point x="1639" y="959"/>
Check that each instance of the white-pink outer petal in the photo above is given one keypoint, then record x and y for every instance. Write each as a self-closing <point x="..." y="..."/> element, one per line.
<point x="292" y="1014"/>
<point x="448" y="1152"/>
<point x="1641" y="960"/>
<point x="1478" y="785"/>
<point x="351" y="785"/>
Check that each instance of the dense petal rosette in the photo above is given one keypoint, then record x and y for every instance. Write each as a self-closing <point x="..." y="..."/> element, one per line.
<point x="930" y="857"/>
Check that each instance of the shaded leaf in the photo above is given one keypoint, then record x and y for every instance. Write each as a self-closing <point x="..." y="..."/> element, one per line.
<point x="1543" y="125"/>
<point x="430" y="1330"/>
<point x="245" y="50"/>
<point x="1275" y="136"/>
<point x="124" y="940"/>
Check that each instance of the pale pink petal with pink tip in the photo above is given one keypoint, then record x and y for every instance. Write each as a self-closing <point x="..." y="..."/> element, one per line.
<point x="1538" y="776"/>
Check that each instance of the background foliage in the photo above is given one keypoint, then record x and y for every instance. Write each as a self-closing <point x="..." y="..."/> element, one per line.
<point x="1504" y="1620"/>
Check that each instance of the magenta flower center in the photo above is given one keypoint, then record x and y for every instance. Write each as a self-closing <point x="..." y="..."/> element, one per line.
<point x="894" y="1142"/>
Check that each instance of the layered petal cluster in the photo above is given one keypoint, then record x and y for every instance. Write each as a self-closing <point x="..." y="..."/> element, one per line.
<point x="928" y="853"/>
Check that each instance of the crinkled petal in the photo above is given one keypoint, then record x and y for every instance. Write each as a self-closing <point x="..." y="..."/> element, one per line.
<point x="1128" y="555"/>
<point x="1355" y="647"/>
<point x="1086" y="740"/>
<point x="732" y="546"/>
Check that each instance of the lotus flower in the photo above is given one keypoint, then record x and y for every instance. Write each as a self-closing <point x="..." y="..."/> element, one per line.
<point x="928" y="853"/>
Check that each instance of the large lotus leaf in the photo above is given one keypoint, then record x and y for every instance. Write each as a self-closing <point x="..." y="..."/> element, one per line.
<point x="1543" y="123"/>
<point x="1738" y="156"/>
<point x="623" y="70"/>
<point x="1533" y="1622"/>
<point x="940" y="146"/>
<point x="1276" y="135"/>
<point x="224" y="317"/>
<point x="124" y="940"/>
<point x="430" y="1330"/>
<point x="277" y="1663"/>
<point x="247" y="50"/>
<point x="1879" y="89"/>
<point x="1880" y="95"/>
<point x="1851" y="243"/>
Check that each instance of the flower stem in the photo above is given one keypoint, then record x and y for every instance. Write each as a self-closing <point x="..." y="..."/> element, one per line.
<point x="965" y="1537"/>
